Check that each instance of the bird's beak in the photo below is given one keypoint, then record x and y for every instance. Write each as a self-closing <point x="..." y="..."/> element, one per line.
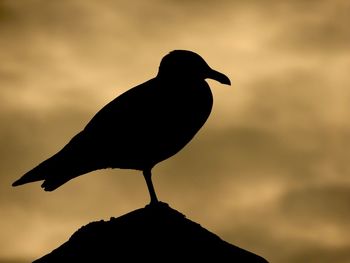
<point x="216" y="75"/>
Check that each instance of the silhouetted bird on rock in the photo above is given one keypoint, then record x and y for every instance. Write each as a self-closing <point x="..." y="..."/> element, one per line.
<point x="142" y="127"/>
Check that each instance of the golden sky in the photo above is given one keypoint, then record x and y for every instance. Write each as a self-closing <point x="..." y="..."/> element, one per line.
<point x="269" y="171"/>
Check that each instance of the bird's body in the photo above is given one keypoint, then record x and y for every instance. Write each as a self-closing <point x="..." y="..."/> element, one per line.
<point x="142" y="127"/>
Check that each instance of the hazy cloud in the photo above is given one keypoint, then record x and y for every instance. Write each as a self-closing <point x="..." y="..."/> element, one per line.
<point x="328" y="203"/>
<point x="268" y="172"/>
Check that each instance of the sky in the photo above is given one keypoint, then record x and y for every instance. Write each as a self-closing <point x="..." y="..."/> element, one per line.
<point x="268" y="172"/>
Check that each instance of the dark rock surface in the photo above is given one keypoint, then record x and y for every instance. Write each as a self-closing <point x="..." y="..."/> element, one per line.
<point x="151" y="234"/>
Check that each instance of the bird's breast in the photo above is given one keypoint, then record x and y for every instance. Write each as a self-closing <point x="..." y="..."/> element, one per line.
<point x="181" y="114"/>
<point x="153" y="126"/>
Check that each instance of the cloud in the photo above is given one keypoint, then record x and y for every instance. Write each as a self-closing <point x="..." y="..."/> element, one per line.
<point x="327" y="203"/>
<point x="314" y="26"/>
<point x="270" y="161"/>
<point x="322" y="254"/>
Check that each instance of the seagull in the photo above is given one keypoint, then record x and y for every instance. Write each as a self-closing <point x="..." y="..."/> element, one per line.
<point x="140" y="128"/>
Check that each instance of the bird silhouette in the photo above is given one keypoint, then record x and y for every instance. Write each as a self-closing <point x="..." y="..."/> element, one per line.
<point x="142" y="127"/>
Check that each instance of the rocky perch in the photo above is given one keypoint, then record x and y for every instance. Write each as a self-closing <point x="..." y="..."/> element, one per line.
<point x="151" y="234"/>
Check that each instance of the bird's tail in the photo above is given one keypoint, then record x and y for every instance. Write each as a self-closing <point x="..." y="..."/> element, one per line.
<point x="36" y="174"/>
<point x="56" y="171"/>
<point x="48" y="171"/>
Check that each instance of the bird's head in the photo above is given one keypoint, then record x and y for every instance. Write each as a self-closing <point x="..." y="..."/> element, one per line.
<point x="189" y="65"/>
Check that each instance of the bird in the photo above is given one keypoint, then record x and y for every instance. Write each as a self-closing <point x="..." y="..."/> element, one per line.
<point x="140" y="128"/>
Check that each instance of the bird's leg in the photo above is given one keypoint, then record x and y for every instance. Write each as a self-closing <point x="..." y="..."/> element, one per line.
<point x="148" y="174"/>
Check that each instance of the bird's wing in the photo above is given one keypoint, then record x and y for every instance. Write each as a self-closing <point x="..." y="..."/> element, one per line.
<point x="89" y="150"/>
<point x="122" y="111"/>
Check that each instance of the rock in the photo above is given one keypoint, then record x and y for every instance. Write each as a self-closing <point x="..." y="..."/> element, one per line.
<point x="151" y="234"/>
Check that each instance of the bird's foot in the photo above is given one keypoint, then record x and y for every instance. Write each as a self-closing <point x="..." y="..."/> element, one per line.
<point x="157" y="204"/>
